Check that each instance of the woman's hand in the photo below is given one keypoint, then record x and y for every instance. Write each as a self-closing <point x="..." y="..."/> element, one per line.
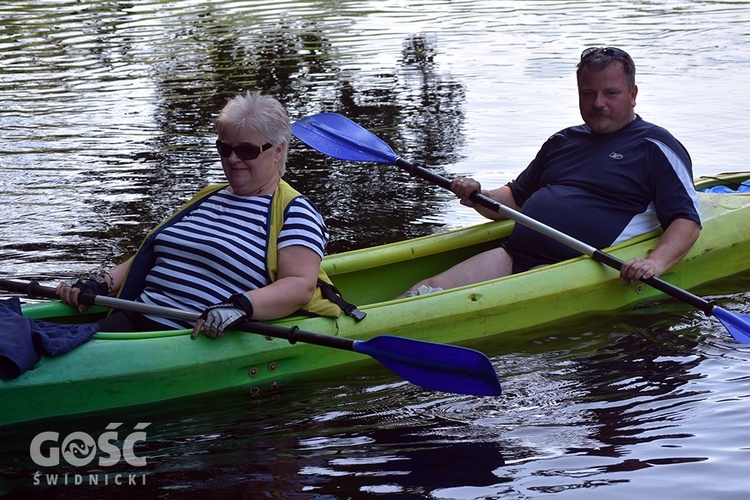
<point x="70" y="294"/>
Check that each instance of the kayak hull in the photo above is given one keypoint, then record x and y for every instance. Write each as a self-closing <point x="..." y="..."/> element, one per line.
<point x="120" y="369"/>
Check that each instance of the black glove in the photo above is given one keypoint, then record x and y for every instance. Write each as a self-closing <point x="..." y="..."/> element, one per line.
<point x="225" y="315"/>
<point x="92" y="286"/>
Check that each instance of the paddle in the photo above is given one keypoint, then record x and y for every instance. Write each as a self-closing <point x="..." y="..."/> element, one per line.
<point x="439" y="367"/>
<point x="339" y="137"/>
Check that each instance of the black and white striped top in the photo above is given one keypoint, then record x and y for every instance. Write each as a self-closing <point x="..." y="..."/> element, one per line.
<point x="220" y="249"/>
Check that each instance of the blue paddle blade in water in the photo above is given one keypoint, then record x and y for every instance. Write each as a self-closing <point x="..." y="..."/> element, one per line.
<point x="439" y="367"/>
<point x="337" y="136"/>
<point x="737" y="324"/>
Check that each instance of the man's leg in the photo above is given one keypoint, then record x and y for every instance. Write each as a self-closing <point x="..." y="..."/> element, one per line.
<point x="488" y="265"/>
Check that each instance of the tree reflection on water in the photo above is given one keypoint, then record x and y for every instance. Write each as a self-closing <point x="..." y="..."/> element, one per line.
<point x="415" y="108"/>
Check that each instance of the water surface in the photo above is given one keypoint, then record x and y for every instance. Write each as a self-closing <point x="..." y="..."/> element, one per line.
<point x="106" y="113"/>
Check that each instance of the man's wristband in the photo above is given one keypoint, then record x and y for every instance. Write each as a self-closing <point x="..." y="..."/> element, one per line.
<point x="242" y="301"/>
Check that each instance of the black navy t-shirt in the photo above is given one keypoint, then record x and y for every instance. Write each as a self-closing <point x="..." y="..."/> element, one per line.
<point x="601" y="189"/>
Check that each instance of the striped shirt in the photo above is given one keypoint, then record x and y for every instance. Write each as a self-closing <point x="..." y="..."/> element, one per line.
<point x="219" y="249"/>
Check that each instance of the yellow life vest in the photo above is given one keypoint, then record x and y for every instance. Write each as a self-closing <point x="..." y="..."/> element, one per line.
<point x="327" y="301"/>
<point x="282" y="196"/>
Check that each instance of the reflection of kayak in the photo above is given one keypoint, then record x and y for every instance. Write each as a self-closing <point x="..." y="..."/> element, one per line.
<point x="118" y="369"/>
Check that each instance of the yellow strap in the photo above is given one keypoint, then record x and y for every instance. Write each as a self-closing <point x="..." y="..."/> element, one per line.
<point x="282" y="196"/>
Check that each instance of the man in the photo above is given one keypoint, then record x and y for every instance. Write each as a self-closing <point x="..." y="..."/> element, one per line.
<point x="604" y="182"/>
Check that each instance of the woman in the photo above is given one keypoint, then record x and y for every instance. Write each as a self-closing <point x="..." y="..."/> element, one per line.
<point x="249" y="249"/>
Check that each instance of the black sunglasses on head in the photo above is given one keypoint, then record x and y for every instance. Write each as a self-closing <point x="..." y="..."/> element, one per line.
<point x="243" y="151"/>
<point x="607" y="51"/>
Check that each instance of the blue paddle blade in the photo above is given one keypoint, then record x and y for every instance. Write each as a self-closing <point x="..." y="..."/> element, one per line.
<point x="439" y="367"/>
<point x="737" y="324"/>
<point x="337" y="136"/>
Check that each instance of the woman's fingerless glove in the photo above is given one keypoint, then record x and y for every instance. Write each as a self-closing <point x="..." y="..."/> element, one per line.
<point x="92" y="286"/>
<point x="225" y="315"/>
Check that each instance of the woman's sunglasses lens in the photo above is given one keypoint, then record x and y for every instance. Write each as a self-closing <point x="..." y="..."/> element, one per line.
<point x="247" y="152"/>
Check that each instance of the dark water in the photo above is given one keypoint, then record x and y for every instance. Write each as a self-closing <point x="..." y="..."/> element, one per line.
<point x="106" y="126"/>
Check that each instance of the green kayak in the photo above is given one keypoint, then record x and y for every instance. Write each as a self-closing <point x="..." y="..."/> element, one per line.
<point x="121" y="369"/>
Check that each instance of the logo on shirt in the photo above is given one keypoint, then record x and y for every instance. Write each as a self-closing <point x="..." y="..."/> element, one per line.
<point x="615" y="155"/>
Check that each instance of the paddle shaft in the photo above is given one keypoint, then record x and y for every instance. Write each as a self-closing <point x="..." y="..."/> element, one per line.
<point x="293" y="335"/>
<point x="603" y="257"/>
